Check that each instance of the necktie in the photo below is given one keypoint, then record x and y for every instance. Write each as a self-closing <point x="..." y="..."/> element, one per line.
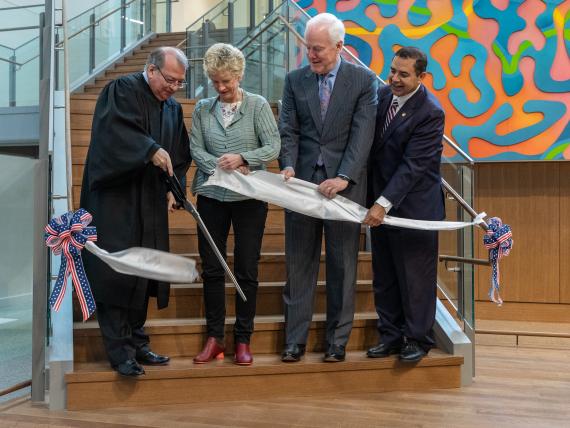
<point x="390" y="115"/>
<point x="324" y="94"/>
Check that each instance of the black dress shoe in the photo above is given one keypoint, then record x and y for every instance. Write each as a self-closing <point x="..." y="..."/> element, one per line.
<point x="412" y="352"/>
<point x="382" y="350"/>
<point x="292" y="353"/>
<point x="129" y="368"/>
<point x="151" y="359"/>
<point x="335" y="354"/>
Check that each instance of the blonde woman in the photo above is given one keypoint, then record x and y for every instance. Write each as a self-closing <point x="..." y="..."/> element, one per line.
<point x="235" y="130"/>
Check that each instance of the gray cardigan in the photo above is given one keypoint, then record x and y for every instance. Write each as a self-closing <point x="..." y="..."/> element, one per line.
<point x="252" y="133"/>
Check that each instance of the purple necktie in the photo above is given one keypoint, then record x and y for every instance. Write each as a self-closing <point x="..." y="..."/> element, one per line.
<point x="390" y="115"/>
<point x="325" y="94"/>
<point x="324" y="97"/>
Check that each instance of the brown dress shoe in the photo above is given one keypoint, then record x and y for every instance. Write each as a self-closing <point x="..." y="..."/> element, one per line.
<point x="243" y="356"/>
<point x="212" y="349"/>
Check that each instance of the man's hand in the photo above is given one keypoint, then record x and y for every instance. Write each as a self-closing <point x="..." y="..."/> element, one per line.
<point x="161" y="159"/>
<point x="332" y="186"/>
<point x="171" y="203"/>
<point x="375" y="215"/>
<point x="230" y="161"/>
<point x="288" y="173"/>
<point x="244" y="169"/>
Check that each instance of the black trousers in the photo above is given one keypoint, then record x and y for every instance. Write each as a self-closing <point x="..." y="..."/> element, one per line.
<point x="404" y="262"/>
<point x="122" y="330"/>
<point x="248" y="221"/>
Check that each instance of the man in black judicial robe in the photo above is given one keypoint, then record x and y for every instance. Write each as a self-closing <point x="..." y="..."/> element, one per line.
<point x="138" y="135"/>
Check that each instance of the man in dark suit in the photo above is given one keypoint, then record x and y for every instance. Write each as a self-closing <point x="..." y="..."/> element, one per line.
<point x="404" y="179"/>
<point x="326" y="126"/>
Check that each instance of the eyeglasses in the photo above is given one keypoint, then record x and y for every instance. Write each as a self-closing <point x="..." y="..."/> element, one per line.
<point x="181" y="84"/>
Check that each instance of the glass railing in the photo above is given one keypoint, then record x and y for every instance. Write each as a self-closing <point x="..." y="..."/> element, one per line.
<point x="228" y="22"/>
<point x="19" y="55"/>
<point x="101" y="34"/>
<point x="274" y="48"/>
<point x="16" y="270"/>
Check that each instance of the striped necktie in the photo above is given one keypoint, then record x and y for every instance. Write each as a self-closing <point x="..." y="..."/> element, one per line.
<point x="324" y="95"/>
<point x="390" y="115"/>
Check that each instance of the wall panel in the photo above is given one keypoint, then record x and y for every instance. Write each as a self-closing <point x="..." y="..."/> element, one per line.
<point x="565" y="232"/>
<point x="527" y="197"/>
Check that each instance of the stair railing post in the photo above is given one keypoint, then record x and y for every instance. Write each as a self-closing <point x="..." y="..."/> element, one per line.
<point x="270" y="7"/>
<point x="231" y="23"/>
<point x="141" y="19"/>
<point x="91" y="42"/>
<point x="148" y="13"/>
<point x="123" y="24"/>
<point x="251" y="14"/>
<point x="205" y="37"/>
<point x="12" y="80"/>
<point x="189" y="76"/>
<point x="168" y="16"/>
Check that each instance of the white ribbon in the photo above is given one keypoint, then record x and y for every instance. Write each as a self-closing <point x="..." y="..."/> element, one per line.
<point x="303" y="197"/>
<point x="148" y="263"/>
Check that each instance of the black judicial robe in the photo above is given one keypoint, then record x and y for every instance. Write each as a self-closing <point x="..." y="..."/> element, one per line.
<point x="123" y="190"/>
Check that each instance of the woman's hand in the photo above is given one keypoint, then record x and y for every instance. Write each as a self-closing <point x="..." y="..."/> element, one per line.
<point x="230" y="161"/>
<point x="243" y="169"/>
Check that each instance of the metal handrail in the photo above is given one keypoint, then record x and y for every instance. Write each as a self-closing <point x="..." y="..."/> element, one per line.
<point x="29" y="6"/>
<point x="96" y="22"/>
<point x="18" y="64"/>
<point x="10" y="61"/>
<point x="92" y="8"/>
<point x="29" y="27"/>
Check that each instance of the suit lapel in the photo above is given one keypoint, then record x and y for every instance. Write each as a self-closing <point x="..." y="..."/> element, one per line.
<point x="312" y="89"/>
<point x="341" y="87"/>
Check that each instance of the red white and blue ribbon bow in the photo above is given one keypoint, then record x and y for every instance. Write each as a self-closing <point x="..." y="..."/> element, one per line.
<point x="499" y="241"/>
<point x="67" y="235"/>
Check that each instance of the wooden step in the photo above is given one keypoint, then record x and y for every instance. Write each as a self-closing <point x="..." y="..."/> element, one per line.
<point x="185" y="240"/>
<point x="185" y="337"/>
<point x="186" y="300"/>
<point x="95" y="385"/>
<point x="272" y="266"/>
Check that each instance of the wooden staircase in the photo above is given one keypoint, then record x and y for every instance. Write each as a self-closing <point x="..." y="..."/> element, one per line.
<point x="179" y="330"/>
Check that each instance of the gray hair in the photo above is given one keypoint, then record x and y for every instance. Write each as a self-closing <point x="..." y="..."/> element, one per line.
<point x="224" y="57"/>
<point x="334" y="26"/>
<point x="157" y="57"/>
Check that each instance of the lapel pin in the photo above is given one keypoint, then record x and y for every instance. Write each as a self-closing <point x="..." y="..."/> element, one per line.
<point x="403" y="114"/>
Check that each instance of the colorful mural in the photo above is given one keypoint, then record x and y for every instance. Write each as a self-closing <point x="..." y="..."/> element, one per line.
<point x="500" y="68"/>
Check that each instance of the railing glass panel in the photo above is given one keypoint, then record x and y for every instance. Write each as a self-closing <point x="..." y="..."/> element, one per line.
<point x="107" y="39"/>
<point x="16" y="271"/>
<point x="98" y="36"/>
<point x="19" y="53"/>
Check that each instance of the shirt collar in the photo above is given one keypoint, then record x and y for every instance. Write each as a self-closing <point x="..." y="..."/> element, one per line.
<point x="333" y="72"/>
<point x="402" y="100"/>
<point x="145" y="75"/>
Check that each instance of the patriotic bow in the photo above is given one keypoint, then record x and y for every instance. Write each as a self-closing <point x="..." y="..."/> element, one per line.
<point x="499" y="241"/>
<point x="68" y="234"/>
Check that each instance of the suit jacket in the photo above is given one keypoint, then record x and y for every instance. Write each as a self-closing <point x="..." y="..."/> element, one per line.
<point x="404" y="164"/>
<point x="344" y="137"/>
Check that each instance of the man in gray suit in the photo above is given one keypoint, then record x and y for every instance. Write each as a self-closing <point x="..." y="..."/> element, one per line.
<point x="327" y="127"/>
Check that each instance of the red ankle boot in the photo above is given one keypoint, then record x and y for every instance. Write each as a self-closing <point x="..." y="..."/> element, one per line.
<point x="243" y="356"/>
<point x="212" y="349"/>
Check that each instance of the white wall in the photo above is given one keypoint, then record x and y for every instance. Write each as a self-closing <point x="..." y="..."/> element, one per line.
<point x="185" y="12"/>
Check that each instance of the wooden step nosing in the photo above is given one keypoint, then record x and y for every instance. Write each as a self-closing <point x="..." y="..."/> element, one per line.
<point x="311" y="363"/>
